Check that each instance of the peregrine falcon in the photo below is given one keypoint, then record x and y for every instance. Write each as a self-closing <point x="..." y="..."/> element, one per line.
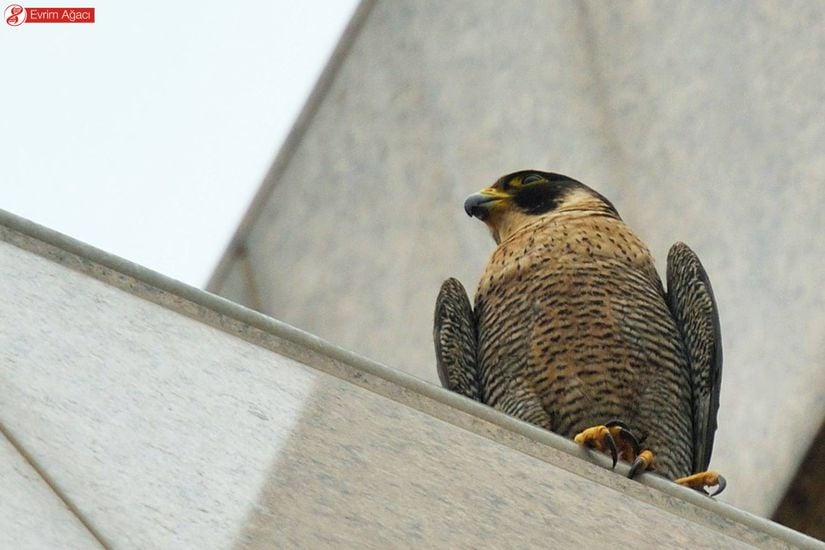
<point x="572" y="330"/>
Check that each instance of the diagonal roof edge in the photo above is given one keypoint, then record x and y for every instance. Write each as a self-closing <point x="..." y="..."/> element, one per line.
<point x="240" y="321"/>
<point x="291" y="142"/>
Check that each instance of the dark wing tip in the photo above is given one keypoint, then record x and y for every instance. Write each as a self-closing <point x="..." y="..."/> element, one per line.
<point x="454" y="335"/>
<point x="692" y="302"/>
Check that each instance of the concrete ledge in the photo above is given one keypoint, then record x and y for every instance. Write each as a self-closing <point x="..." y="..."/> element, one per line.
<point x="165" y="384"/>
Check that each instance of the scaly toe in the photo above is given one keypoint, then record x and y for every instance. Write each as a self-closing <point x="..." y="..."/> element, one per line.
<point x="701" y="480"/>
<point x="599" y="438"/>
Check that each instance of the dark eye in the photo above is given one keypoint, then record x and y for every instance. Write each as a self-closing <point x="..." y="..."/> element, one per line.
<point x="532" y="178"/>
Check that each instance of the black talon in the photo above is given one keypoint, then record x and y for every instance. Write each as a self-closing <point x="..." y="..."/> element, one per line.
<point x="611" y="444"/>
<point x="627" y="435"/>
<point x="638" y="464"/>
<point x="721" y="484"/>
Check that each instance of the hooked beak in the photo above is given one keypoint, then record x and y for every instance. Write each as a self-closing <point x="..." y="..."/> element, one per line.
<point x="479" y="204"/>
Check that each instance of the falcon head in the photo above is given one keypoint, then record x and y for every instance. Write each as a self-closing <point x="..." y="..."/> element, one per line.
<point x="518" y="198"/>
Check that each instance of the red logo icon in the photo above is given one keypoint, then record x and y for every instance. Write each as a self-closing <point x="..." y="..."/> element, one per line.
<point x="15" y="15"/>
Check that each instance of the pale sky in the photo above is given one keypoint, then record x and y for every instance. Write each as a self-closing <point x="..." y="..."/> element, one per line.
<point x="147" y="133"/>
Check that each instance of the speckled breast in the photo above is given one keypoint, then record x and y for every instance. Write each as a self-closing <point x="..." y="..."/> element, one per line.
<point x="571" y="310"/>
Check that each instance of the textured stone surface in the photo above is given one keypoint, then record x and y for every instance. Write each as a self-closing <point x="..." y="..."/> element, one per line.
<point x="701" y="121"/>
<point x="31" y="514"/>
<point x="360" y="470"/>
<point x="160" y="428"/>
<point x="165" y="432"/>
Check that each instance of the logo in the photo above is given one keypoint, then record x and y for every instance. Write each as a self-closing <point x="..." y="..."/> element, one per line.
<point x="16" y="15"/>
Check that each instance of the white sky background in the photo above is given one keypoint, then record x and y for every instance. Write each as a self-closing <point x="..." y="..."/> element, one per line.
<point x="147" y="133"/>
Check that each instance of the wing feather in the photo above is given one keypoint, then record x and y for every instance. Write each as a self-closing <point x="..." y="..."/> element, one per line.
<point x="691" y="301"/>
<point x="455" y="339"/>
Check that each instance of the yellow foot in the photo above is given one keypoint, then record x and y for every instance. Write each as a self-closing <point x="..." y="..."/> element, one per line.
<point x="614" y="437"/>
<point x="704" y="479"/>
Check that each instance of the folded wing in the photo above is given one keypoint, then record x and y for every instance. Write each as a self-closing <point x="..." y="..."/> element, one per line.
<point x="691" y="301"/>
<point x="455" y="339"/>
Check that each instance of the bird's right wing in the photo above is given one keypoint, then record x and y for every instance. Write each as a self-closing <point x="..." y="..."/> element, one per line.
<point x="691" y="301"/>
<point x="455" y="340"/>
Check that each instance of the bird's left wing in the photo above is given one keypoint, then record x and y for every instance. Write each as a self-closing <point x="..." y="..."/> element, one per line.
<point x="690" y="298"/>
<point x="455" y="340"/>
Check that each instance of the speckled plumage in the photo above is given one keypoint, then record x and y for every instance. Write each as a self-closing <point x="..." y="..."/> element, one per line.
<point x="572" y="327"/>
